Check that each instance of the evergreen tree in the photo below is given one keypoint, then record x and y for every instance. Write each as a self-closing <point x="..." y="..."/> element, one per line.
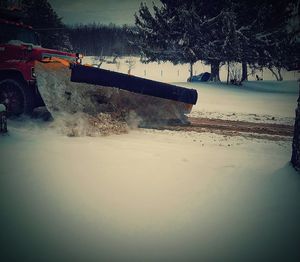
<point x="219" y="32"/>
<point x="263" y="34"/>
<point x="272" y="38"/>
<point x="165" y="36"/>
<point x="102" y="40"/>
<point x="221" y="42"/>
<point x="40" y="15"/>
<point x="188" y="31"/>
<point x="246" y="27"/>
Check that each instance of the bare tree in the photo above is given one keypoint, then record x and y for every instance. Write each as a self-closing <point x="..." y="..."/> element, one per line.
<point x="130" y="62"/>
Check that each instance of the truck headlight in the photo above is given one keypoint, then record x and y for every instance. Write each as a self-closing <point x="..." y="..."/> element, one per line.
<point x="79" y="58"/>
<point x="33" y="74"/>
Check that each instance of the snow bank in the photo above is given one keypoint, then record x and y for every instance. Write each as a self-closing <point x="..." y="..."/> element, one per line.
<point x="269" y="102"/>
<point x="286" y="87"/>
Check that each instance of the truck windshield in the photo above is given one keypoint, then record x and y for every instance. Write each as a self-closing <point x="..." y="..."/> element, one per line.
<point x="11" y="32"/>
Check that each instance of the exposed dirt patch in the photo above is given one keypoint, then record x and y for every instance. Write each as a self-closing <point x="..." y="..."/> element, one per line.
<point x="234" y="128"/>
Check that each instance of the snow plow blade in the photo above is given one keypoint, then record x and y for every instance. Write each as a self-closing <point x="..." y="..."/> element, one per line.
<point x="102" y="77"/>
<point x="92" y="91"/>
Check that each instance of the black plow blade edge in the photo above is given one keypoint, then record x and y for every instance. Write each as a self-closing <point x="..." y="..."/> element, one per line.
<point x="102" y="77"/>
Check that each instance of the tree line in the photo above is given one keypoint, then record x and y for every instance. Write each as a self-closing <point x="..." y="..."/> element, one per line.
<point x="257" y="33"/>
<point x="102" y="40"/>
<point x="91" y="39"/>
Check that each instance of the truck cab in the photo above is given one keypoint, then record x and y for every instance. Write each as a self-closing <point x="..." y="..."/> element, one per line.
<point x="19" y="49"/>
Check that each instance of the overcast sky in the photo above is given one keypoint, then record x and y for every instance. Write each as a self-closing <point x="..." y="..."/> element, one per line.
<point x="103" y="11"/>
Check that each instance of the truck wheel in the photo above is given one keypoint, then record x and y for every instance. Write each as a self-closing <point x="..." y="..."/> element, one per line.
<point x="16" y="97"/>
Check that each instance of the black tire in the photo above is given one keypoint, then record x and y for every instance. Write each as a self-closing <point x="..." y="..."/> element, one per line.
<point x="16" y="96"/>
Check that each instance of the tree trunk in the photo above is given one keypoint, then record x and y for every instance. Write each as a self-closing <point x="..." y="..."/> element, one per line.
<point x="191" y="70"/>
<point x="279" y="74"/>
<point x="3" y="122"/>
<point x="274" y="73"/>
<point x="228" y="72"/>
<point x="244" y="72"/>
<point x="296" y="140"/>
<point x="215" y="71"/>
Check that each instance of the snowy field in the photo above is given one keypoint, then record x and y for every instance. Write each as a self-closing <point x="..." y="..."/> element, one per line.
<point x="154" y="195"/>
<point x="167" y="72"/>
<point x="266" y="101"/>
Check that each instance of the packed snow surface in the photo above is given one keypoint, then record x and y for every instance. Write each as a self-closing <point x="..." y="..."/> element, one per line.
<point x="146" y="196"/>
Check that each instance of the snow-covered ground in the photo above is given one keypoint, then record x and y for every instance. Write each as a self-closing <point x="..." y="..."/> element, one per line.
<point x="154" y="195"/>
<point x="146" y="196"/>
<point x="268" y="101"/>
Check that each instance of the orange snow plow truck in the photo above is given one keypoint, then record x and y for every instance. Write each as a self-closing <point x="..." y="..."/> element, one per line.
<point x="30" y="75"/>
